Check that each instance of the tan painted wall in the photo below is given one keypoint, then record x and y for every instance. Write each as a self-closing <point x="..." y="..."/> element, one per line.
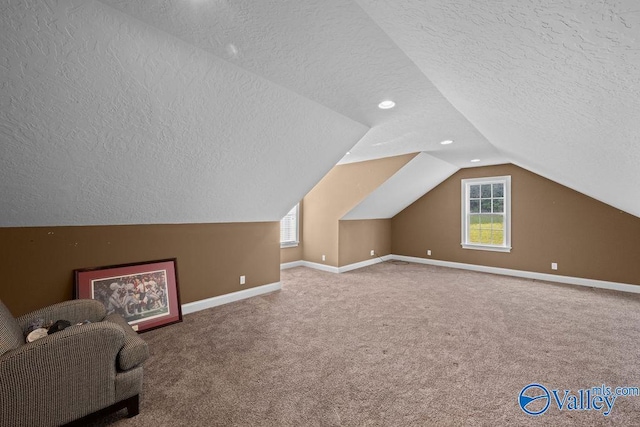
<point x="336" y="194"/>
<point x="37" y="263"/>
<point x="291" y="254"/>
<point x="550" y="223"/>
<point x="359" y="237"/>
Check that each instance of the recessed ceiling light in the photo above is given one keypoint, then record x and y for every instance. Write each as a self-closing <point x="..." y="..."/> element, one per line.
<point x="385" y="105"/>
<point x="348" y="152"/>
<point x="446" y="142"/>
<point x="475" y="160"/>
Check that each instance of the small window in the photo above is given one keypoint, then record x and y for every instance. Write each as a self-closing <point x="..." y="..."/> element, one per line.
<point x="486" y="213"/>
<point x="289" y="228"/>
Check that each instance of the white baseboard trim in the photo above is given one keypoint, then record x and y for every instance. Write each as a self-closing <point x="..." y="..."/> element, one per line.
<point x="332" y="269"/>
<point x="603" y="284"/>
<point x="192" y="307"/>
<point x="292" y="264"/>
<point x="365" y="263"/>
<point x="323" y="267"/>
<point x="624" y="287"/>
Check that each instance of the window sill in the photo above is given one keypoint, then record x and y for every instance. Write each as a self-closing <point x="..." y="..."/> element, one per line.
<point x="288" y="245"/>
<point x="487" y="248"/>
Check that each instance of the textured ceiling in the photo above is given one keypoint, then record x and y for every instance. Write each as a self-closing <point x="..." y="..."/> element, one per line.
<point x="412" y="181"/>
<point x="105" y="120"/>
<point x="331" y="52"/>
<point x="119" y="112"/>
<point x="555" y="86"/>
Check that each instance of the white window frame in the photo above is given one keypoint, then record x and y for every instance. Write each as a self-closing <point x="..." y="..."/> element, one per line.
<point x="466" y="184"/>
<point x="290" y="243"/>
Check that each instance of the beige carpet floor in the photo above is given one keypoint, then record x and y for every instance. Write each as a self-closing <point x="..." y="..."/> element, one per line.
<point x="393" y="344"/>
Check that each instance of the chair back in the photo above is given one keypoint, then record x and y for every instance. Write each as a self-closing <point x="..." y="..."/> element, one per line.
<point x="10" y="333"/>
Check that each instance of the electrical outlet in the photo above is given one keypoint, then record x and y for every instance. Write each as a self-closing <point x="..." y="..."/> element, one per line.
<point x="324" y="258"/>
<point x="373" y="253"/>
<point x="429" y="252"/>
<point x="554" y="265"/>
<point x="242" y="280"/>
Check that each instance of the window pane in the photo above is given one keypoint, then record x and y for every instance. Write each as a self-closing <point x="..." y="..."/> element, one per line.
<point x="485" y="236"/>
<point x="498" y="190"/>
<point x="474" y="228"/>
<point x="289" y="227"/>
<point x="484" y="209"/>
<point x="497" y="222"/>
<point x="484" y="222"/>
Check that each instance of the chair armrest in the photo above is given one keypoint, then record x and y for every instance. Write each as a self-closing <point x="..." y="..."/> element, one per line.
<point x="75" y="311"/>
<point x="66" y="375"/>
<point x="135" y="350"/>
<point x="104" y="337"/>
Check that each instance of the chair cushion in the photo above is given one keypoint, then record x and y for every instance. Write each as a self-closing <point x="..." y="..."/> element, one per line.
<point x="10" y="333"/>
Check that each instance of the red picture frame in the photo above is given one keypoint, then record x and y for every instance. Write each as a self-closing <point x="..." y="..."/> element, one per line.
<point x="145" y="293"/>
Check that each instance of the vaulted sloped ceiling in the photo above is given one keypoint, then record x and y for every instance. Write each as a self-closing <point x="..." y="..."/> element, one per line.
<point x="332" y="52"/>
<point x="120" y="112"/>
<point x="554" y="85"/>
<point x="412" y="181"/>
<point x="109" y="121"/>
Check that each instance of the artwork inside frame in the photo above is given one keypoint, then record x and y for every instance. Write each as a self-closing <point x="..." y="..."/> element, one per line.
<point x="146" y="293"/>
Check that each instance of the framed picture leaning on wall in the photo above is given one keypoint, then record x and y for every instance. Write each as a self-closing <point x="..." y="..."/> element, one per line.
<point x="144" y="293"/>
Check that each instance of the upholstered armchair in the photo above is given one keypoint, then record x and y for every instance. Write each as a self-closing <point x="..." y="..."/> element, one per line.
<point x="72" y="373"/>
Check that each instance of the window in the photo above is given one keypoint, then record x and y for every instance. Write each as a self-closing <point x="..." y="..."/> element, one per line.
<point x="486" y="213"/>
<point x="289" y="228"/>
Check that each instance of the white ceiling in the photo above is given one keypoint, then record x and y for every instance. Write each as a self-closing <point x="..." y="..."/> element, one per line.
<point x="332" y="52"/>
<point x="553" y="85"/>
<point x="421" y="174"/>
<point x="172" y="111"/>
